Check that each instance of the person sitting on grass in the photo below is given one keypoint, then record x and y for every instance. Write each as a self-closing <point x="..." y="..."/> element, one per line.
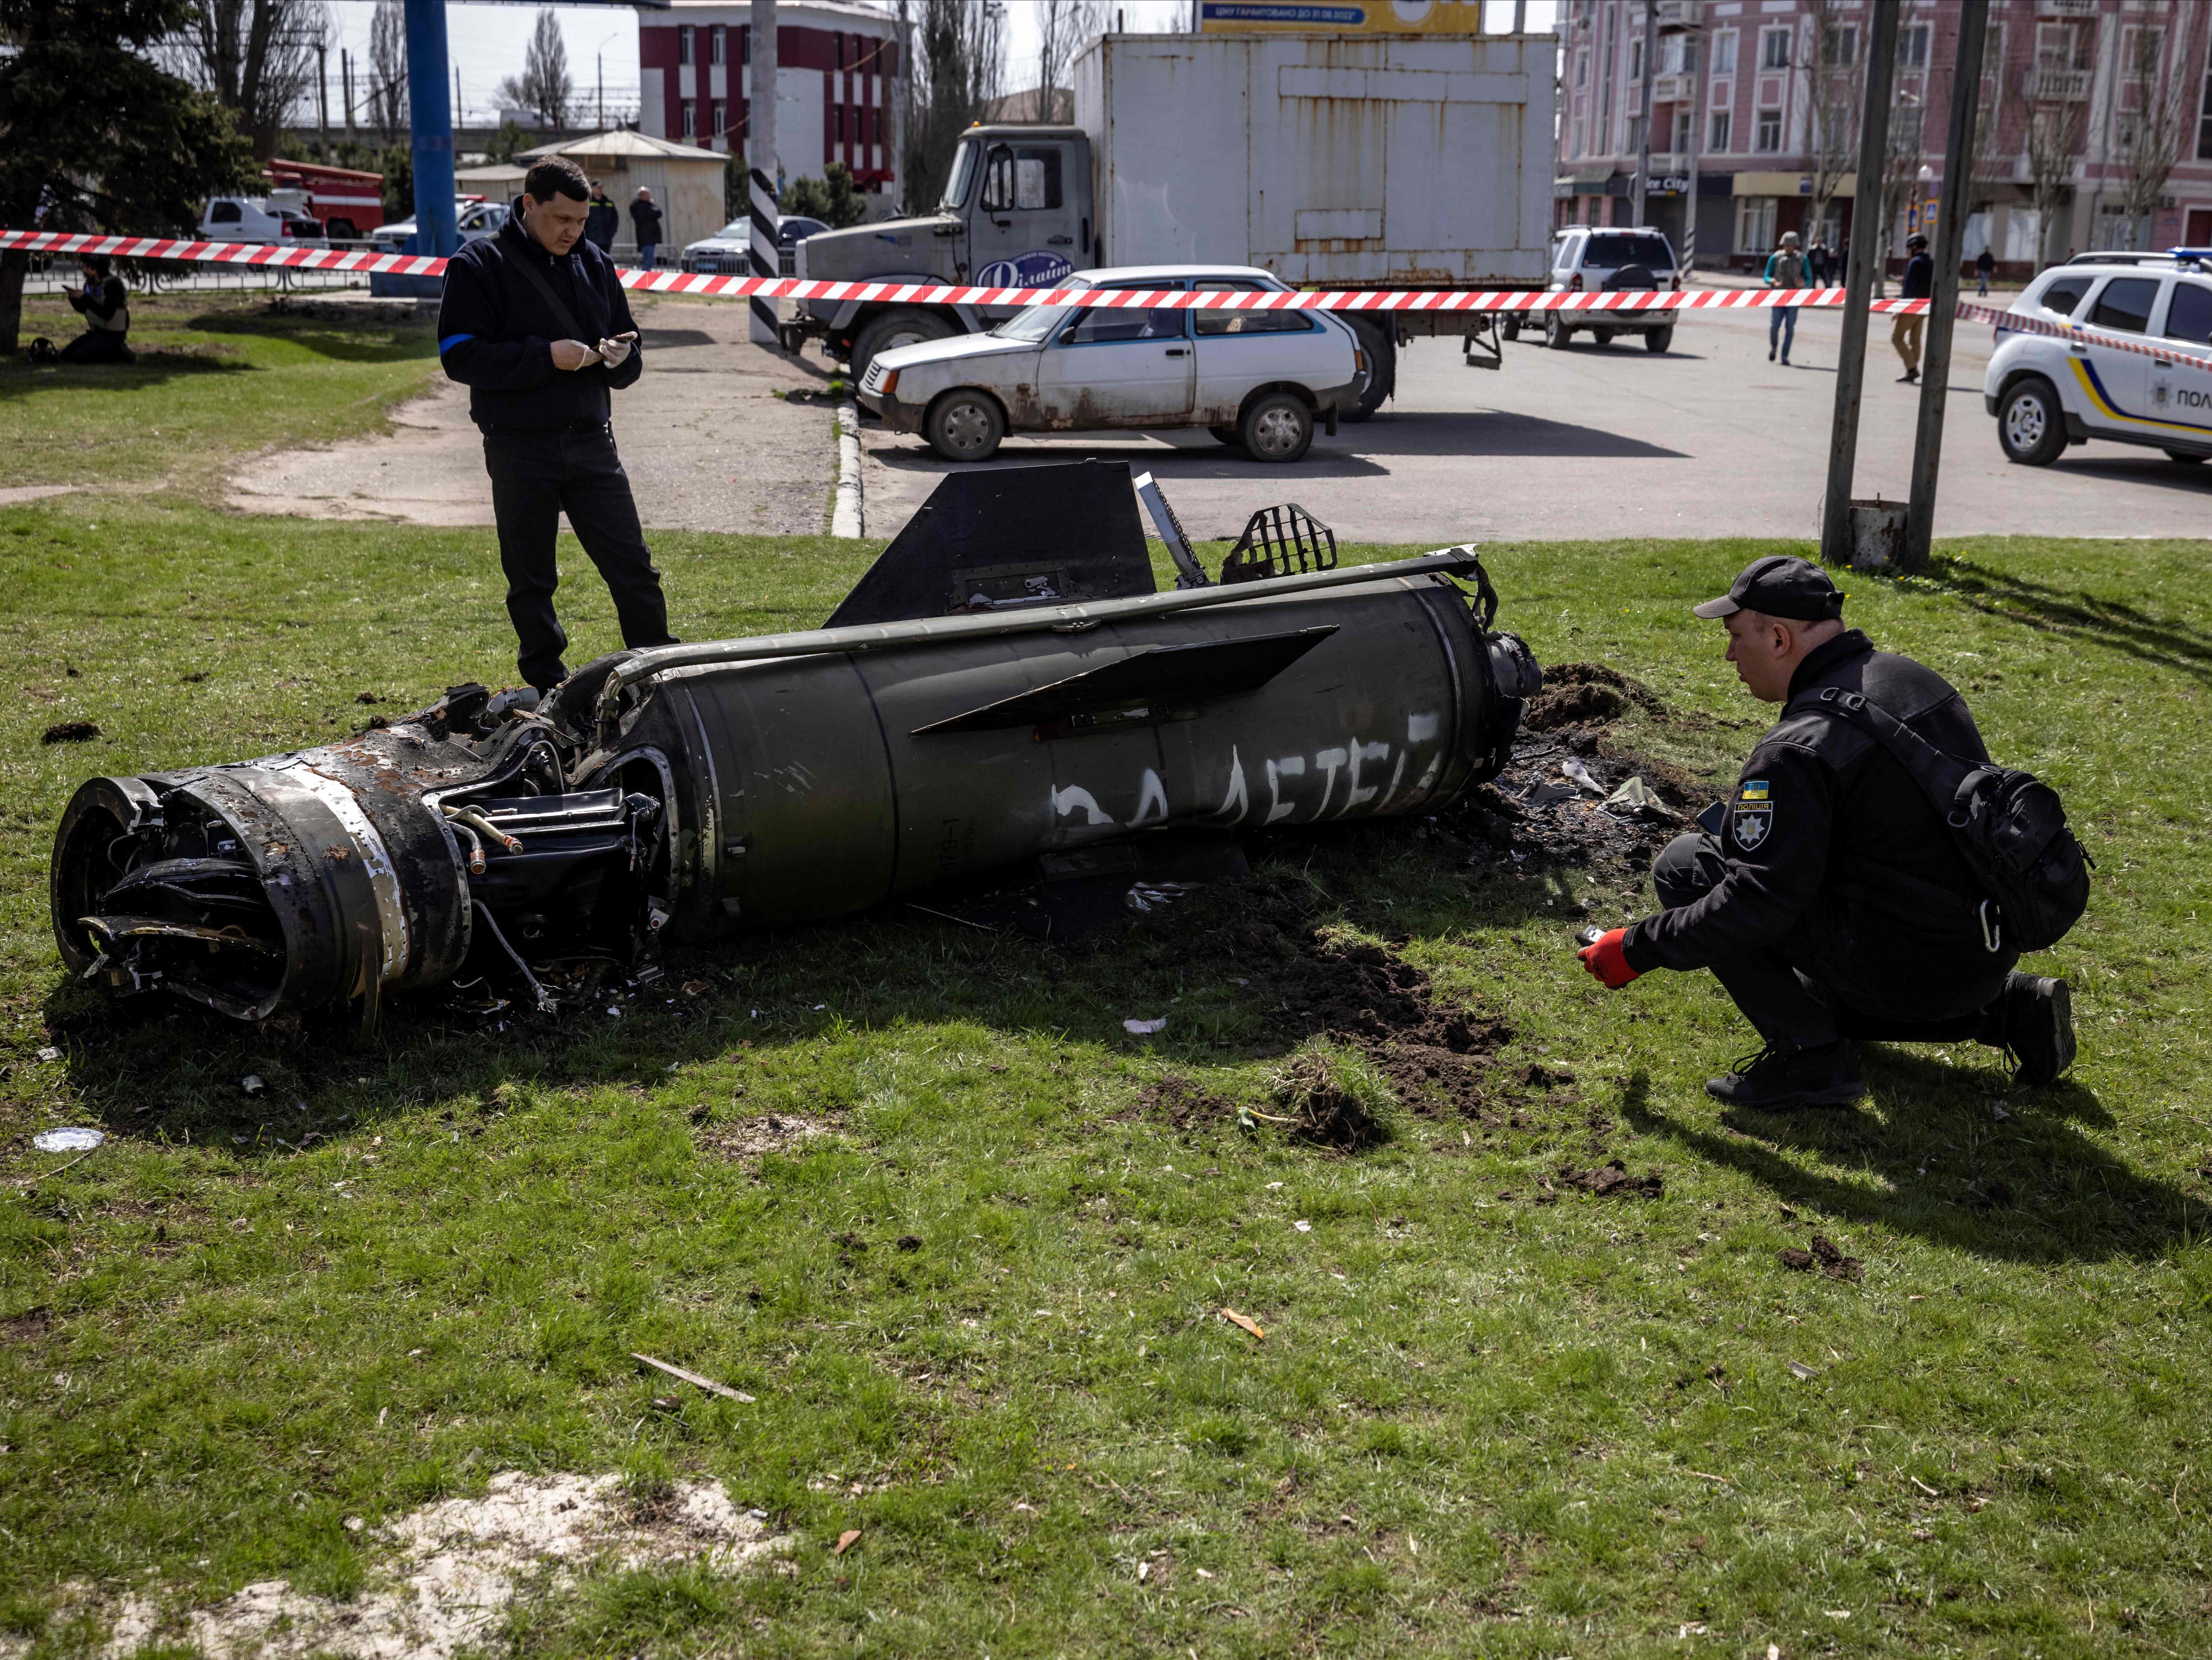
<point x="106" y="306"/>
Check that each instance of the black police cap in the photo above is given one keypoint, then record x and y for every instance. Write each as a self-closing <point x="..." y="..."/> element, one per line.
<point x="1780" y="585"/>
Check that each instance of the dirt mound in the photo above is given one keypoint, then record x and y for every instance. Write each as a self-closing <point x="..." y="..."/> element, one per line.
<point x="1326" y="1106"/>
<point x="1827" y="1257"/>
<point x="1612" y="1181"/>
<point x="1183" y="1103"/>
<point x="1585" y="694"/>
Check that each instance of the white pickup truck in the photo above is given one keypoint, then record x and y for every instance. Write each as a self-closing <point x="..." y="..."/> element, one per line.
<point x="257" y="219"/>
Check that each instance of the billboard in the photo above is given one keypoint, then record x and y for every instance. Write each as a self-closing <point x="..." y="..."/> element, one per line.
<point x="1341" y="16"/>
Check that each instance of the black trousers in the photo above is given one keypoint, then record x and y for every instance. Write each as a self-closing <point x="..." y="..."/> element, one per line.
<point x="536" y="477"/>
<point x="1804" y="992"/>
<point x="98" y="346"/>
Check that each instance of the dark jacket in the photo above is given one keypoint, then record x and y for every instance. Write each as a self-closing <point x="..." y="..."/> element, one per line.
<point x="603" y="222"/>
<point x="107" y="307"/>
<point x="496" y="330"/>
<point x="645" y="218"/>
<point x="1826" y="832"/>
<point x="1986" y="262"/>
<point x="1919" y="279"/>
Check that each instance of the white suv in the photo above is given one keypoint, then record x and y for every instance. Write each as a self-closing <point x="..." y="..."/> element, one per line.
<point x="2049" y="390"/>
<point x="1588" y="259"/>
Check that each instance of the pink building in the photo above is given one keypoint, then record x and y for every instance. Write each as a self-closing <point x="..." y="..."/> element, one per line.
<point x="836" y="63"/>
<point x="2081" y="102"/>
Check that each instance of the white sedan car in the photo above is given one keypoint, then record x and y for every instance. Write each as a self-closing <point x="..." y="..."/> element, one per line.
<point x="1257" y="379"/>
<point x="2142" y="374"/>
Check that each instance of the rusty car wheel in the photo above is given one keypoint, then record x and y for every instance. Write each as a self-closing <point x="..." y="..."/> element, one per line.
<point x="1277" y="427"/>
<point x="965" y="425"/>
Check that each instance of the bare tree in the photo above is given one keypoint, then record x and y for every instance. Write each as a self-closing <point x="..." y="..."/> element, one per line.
<point x="1063" y="27"/>
<point x="544" y="87"/>
<point x="1835" y="78"/>
<point x="2158" y="61"/>
<point x="2055" y="88"/>
<point x="257" y="57"/>
<point x="958" y="62"/>
<point x="387" y="69"/>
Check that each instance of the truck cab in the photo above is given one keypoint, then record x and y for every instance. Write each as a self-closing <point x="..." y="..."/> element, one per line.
<point x="1016" y="213"/>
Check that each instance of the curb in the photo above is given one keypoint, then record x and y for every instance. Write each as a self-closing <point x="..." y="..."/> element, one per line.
<point x="845" y="518"/>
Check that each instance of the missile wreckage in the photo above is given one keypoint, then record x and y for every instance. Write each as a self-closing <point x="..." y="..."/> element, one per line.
<point x="1004" y="689"/>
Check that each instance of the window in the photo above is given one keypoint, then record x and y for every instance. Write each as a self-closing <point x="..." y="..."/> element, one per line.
<point x="721" y="117"/>
<point x="683" y="33"/>
<point x="1774" y="49"/>
<point x="1211" y="323"/>
<point x="1582" y="67"/>
<point x="716" y="47"/>
<point x="1611" y="252"/>
<point x="1020" y="180"/>
<point x="224" y="213"/>
<point x="1575" y="143"/>
<point x="2188" y="314"/>
<point x="1840" y="45"/>
<point x="1717" y="139"/>
<point x="1680" y="146"/>
<point x="2124" y="305"/>
<point x="1768" y="141"/>
<point x="1754" y="224"/>
<point x="1724" y="53"/>
<point x="1913" y="46"/>
<point x="1635" y="61"/>
<point x="2204" y="120"/>
<point x="690" y="117"/>
<point x="2063" y="295"/>
<point x="1098" y="326"/>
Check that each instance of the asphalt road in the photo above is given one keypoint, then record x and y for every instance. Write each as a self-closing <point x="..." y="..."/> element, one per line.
<point x="1709" y="440"/>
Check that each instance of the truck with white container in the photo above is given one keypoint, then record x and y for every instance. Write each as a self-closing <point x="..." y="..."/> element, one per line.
<point x="1341" y="162"/>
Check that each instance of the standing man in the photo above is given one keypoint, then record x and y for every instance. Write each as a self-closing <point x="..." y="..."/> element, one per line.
<point x="1986" y="263"/>
<point x="604" y="220"/>
<point x="644" y="219"/>
<point x="535" y="323"/>
<point x="1785" y="268"/>
<point x="1827" y="897"/>
<point x="1919" y="282"/>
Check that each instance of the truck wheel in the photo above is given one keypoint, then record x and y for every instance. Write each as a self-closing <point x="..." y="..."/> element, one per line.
<point x="1508" y="328"/>
<point x="1658" y="340"/>
<point x="964" y="425"/>
<point x="1229" y="435"/>
<point x="894" y="329"/>
<point x="2031" y="424"/>
<point x="1556" y="333"/>
<point x="1381" y="346"/>
<point x="341" y="230"/>
<point x="1277" y="427"/>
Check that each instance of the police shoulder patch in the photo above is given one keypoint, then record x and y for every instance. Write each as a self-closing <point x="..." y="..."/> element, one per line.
<point x="1753" y="813"/>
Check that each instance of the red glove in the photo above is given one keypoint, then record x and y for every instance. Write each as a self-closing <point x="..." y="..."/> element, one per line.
<point x="1606" y="960"/>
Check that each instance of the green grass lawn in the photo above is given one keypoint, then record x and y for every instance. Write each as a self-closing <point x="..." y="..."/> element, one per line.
<point x="1476" y="1425"/>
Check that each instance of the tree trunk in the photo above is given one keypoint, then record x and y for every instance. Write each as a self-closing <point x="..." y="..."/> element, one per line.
<point x="14" y="265"/>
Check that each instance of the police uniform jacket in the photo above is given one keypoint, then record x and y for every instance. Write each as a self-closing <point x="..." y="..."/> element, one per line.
<point x="1833" y="851"/>
<point x="496" y="330"/>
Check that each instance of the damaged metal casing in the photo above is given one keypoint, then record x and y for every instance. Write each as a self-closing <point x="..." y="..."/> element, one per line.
<point x="696" y="791"/>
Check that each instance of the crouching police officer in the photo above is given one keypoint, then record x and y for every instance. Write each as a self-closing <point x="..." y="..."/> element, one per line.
<point x="533" y="321"/>
<point x="1827" y="897"/>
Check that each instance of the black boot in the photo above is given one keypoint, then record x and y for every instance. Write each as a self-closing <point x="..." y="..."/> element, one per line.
<point x="1775" y="1078"/>
<point x="2035" y="1023"/>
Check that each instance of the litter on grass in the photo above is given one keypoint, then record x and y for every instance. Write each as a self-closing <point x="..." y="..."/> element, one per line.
<point x="695" y="1379"/>
<point x="51" y="1052"/>
<point x="1144" y="1028"/>
<point x="72" y="1140"/>
<point x="846" y="1541"/>
<point x="1243" y="1323"/>
<point x="1579" y="776"/>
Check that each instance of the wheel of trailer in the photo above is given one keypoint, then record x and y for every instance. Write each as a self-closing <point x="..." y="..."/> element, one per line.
<point x="1508" y="328"/>
<point x="889" y="332"/>
<point x="1278" y="427"/>
<point x="964" y="425"/>
<point x="2030" y="424"/>
<point x="1229" y="435"/>
<point x="1556" y="333"/>
<point x="1381" y="346"/>
<point x="1659" y="339"/>
<point x="2187" y="458"/>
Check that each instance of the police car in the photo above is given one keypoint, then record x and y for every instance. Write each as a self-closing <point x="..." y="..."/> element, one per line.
<point x="2140" y="372"/>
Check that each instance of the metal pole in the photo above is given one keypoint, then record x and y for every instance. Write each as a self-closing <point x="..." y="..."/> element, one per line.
<point x="1693" y="44"/>
<point x="1641" y="215"/>
<point x="1858" y="286"/>
<point x="1943" y="302"/>
<point x="346" y="77"/>
<point x="431" y="124"/>
<point x="322" y="101"/>
<point x="760" y="149"/>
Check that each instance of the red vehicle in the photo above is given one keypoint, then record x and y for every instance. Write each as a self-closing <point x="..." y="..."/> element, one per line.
<point x="350" y="203"/>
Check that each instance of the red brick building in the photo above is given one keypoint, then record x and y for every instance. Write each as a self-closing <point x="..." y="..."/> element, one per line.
<point x="836" y="64"/>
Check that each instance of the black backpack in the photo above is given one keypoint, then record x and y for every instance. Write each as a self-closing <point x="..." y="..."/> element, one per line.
<point x="2009" y="827"/>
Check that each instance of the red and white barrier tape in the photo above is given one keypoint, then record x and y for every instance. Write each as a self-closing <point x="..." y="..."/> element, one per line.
<point x="273" y="255"/>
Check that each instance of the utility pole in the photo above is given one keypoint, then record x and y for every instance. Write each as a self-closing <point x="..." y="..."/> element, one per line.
<point x="603" y="89"/>
<point x="345" y="75"/>
<point x="1867" y="241"/>
<point x="1641" y="216"/>
<point x="430" y="128"/>
<point x="460" y="116"/>
<point x="322" y="101"/>
<point x="1944" y="302"/>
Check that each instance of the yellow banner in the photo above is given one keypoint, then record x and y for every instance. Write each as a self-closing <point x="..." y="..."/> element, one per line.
<point x="1341" y="16"/>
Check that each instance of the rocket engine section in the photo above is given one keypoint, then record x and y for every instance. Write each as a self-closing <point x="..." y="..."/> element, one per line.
<point x="1004" y="684"/>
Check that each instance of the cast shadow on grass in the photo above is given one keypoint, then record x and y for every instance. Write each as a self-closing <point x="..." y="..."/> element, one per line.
<point x="154" y="368"/>
<point x="1930" y="1156"/>
<point x="398" y="343"/>
<point x="2076" y="614"/>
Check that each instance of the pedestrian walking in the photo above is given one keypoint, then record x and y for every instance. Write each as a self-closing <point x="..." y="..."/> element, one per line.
<point x="535" y="323"/>
<point x="1919" y="284"/>
<point x="645" y="220"/>
<point x="1984" y="264"/>
<point x="1785" y="268"/>
<point x="603" y="222"/>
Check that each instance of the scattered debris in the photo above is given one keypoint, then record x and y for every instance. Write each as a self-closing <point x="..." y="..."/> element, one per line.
<point x="747" y="1140"/>
<point x="1612" y="1180"/>
<point x="367" y="697"/>
<point x="1800" y="1372"/>
<point x="1832" y="1262"/>
<point x="1184" y="1103"/>
<point x="50" y="1052"/>
<point x="75" y="1139"/>
<point x="1579" y="775"/>
<point x="1302" y="1225"/>
<point x="1144" y="1028"/>
<point x="70" y="731"/>
<point x="695" y="1379"/>
<point x="846" y="1541"/>
<point x="1243" y="1323"/>
<point x="909" y="1242"/>
<point x="1637" y="796"/>
<point x="252" y="1084"/>
<point x="2001" y="1111"/>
